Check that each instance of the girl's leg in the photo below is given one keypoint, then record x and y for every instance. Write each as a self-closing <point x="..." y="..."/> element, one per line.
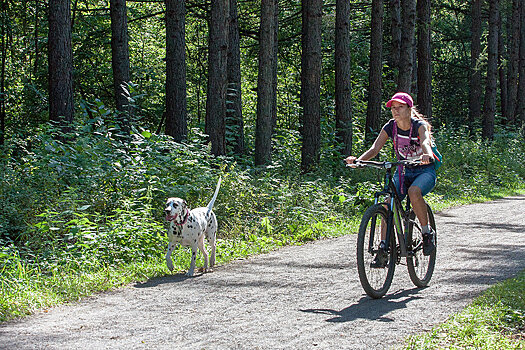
<point x="418" y="204"/>
<point x="423" y="183"/>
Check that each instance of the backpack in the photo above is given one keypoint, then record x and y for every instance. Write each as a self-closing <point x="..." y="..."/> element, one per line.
<point x="438" y="158"/>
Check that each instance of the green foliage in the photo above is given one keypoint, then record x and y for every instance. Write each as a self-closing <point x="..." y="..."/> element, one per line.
<point x="474" y="167"/>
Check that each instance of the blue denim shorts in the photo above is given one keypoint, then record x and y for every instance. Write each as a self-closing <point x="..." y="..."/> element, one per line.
<point x="423" y="177"/>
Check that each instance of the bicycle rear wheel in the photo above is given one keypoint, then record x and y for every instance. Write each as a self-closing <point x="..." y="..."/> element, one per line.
<point x="375" y="281"/>
<point x="420" y="267"/>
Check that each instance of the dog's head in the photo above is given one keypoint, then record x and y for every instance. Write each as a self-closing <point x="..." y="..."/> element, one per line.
<point x="175" y="207"/>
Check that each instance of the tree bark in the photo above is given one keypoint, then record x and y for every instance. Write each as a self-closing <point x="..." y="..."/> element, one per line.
<point x="489" y="106"/>
<point x="176" y="103"/>
<point x="424" y="59"/>
<point x="263" y="129"/>
<point x="395" y="29"/>
<point x="475" y="72"/>
<point x="343" y="80"/>
<point x="513" y="63"/>
<point x="60" y="63"/>
<point x="406" y="55"/>
<point x="521" y="90"/>
<point x="373" y="111"/>
<point x="275" y="67"/>
<point x="217" y="75"/>
<point x="3" y="86"/>
<point x="234" y="99"/>
<point x="502" y="74"/>
<point x="312" y="11"/>
<point x="120" y="58"/>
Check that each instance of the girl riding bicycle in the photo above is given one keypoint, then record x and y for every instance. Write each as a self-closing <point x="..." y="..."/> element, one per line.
<point x="410" y="132"/>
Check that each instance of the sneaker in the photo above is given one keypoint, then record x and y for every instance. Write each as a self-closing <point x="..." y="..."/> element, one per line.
<point x="428" y="243"/>
<point x="381" y="258"/>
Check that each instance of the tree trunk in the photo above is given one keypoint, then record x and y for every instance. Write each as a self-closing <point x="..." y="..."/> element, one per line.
<point x="424" y="59"/>
<point x="513" y="63"/>
<point x="312" y="11"/>
<point x="3" y="50"/>
<point x="343" y="79"/>
<point x="217" y="75"/>
<point x="475" y="72"/>
<point x="489" y="106"/>
<point x="60" y="63"/>
<point x="274" y="68"/>
<point x="395" y="29"/>
<point x="521" y="90"/>
<point x="263" y="130"/>
<point x="406" y="55"/>
<point x="373" y="111"/>
<point x="234" y="99"/>
<point x="120" y="58"/>
<point x="176" y="119"/>
<point x="502" y="74"/>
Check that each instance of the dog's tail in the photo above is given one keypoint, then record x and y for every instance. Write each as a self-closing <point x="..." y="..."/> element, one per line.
<point x="210" y="205"/>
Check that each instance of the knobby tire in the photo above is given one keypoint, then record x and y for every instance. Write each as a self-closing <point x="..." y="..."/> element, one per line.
<point x="420" y="267"/>
<point x="375" y="281"/>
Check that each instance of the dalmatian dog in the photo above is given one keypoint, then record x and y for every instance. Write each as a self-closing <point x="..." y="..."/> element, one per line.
<point x="188" y="228"/>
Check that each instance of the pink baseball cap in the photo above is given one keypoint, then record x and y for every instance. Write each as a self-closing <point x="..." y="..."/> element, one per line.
<point x="401" y="97"/>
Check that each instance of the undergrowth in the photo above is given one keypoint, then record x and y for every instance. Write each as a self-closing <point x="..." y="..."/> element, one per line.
<point x="86" y="214"/>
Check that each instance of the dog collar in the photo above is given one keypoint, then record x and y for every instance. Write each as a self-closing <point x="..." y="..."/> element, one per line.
<point x="185" y="218"/>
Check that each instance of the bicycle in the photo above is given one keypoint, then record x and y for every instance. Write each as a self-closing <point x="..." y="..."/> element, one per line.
<point x="406" y="242"/>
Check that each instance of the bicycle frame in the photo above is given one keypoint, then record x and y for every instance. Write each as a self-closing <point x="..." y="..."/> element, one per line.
<point x="396" y="215"/>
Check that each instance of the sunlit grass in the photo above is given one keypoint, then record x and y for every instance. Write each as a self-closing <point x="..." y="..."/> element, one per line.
<point x="495" y="320"/>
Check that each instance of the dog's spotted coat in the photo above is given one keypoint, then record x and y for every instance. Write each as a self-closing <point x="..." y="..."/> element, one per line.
<point x="189" y="227"/>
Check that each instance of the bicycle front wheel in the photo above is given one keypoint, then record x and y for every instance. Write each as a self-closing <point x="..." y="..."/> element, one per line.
<point x="375" y="281"/>
<point x="420" y="267"/>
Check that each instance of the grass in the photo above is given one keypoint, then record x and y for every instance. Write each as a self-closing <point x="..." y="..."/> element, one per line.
<point x="495" y="320"/>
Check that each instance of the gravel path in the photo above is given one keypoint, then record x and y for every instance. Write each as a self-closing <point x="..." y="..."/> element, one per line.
<point x="295" y="298"/>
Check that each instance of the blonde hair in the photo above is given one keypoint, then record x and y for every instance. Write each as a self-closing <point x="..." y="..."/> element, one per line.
<point x="415" y="113"/>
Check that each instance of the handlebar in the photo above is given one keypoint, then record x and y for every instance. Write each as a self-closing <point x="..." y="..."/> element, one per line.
<point x="386" y="165"/>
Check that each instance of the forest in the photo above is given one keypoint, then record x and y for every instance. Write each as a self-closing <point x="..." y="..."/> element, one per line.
<point x="108" y="107"/>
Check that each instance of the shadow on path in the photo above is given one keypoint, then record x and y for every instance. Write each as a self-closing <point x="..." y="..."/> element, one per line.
<point x="371" y="309"/>
<point x="154" y="282"/>
<point x="494" y="226"/>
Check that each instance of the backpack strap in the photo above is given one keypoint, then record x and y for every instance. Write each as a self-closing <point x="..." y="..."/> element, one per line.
<point x="401" y="169"/>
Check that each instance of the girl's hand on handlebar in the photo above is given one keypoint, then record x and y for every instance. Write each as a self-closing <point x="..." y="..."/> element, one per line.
<point x="350" y="160"/>
<point x="426" y="159"/>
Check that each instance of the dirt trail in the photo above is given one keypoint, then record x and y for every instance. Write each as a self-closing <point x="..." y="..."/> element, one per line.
<point x="294" y="298"/>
